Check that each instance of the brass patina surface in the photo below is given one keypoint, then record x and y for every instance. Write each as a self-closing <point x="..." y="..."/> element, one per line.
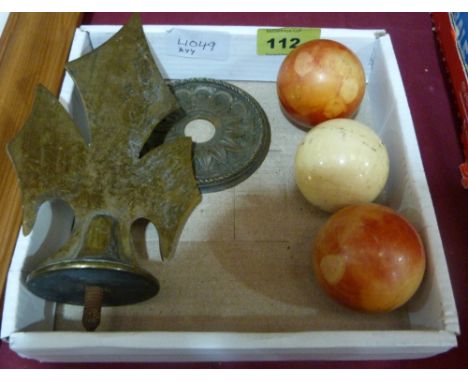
<point x="104" y="178"/>
<point x="242" y="131"/>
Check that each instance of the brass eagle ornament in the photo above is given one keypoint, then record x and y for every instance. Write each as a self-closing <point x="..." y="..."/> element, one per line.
<point x="104" y="179"/>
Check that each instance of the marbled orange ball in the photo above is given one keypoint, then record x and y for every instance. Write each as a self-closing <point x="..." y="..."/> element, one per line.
<point x="320" y="80"/>
<point x="369" y="257"/>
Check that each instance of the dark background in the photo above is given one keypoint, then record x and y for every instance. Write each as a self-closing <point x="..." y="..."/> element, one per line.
<point x="436" y="125"/>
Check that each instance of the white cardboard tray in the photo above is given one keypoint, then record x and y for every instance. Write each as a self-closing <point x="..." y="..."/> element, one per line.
<point x="240" y="285"/>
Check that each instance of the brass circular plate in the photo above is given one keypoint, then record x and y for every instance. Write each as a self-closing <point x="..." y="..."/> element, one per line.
<point x="65" y="282"/>
<point x="242" y="132"/>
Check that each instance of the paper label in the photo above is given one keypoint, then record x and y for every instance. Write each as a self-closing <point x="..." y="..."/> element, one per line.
<point x="283" y="40"/>
<point x="198" y="44"/>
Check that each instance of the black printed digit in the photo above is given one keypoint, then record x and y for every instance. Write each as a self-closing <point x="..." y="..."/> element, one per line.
<point x="294" y="42"/>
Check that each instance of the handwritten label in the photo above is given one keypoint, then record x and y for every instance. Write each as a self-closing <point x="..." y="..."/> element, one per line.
<point x="283" y="40"/>
<point x="198" y="44"/>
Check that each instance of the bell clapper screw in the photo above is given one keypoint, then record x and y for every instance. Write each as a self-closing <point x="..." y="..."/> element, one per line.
<point x="92" y="307"/>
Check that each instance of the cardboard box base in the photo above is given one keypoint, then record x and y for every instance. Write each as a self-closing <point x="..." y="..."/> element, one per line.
<point x="241" y="286"/>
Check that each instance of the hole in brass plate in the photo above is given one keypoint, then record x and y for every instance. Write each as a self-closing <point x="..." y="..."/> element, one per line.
<point x="200" y="130"/>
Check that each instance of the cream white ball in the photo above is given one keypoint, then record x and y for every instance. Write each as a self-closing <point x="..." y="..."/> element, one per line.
<point x="341" y="162"/>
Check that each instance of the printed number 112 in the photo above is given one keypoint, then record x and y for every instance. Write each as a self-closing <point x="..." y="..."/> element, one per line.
<point x="294" y="41"/>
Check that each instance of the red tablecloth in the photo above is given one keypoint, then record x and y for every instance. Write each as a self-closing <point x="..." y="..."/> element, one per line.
<point x="436" y="128"/>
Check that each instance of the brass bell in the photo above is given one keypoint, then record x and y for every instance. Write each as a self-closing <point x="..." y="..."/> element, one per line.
<point x="96" y="274"/>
